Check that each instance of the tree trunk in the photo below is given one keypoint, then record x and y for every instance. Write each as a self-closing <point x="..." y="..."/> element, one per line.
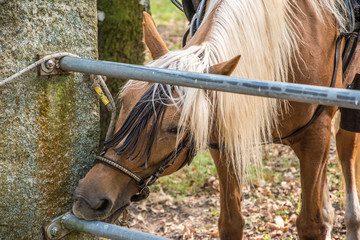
<point x="49" y="127"/>
<point x="120" y="40"/>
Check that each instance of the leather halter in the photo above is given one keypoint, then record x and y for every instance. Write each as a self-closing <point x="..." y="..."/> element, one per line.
<point x="142" y="185"/>
<point x="196" y="17"/>
<point x="178" y="5"/>
<point x="166" y="163"/>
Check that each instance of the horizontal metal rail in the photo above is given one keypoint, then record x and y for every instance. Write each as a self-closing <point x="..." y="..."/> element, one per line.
<point x="105" y="230"/>
<point x="289" y="91"/>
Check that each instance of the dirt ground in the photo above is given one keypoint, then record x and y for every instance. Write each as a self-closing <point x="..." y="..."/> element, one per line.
<point x="270" y="206"/>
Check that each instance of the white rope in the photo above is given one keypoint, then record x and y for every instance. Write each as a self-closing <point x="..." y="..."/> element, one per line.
<point x="105" y="98"/>
<point x="35" y="64"/>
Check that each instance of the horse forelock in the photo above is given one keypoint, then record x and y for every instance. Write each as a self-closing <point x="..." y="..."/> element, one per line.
<point x="136" y="141"/>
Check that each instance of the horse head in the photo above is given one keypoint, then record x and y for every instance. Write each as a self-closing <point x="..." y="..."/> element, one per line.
<point x="148" y="143"/>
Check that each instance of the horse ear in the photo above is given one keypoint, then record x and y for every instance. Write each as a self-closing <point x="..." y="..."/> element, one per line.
<point x="225" y="68"/>
<point x="152" y="37"/>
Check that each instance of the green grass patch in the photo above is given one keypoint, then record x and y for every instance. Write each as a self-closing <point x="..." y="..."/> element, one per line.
<point x="164" y="12"/>
<point x="267" y="237"/>
<point x="190" y="180"/>
<point x="282" y="213"/>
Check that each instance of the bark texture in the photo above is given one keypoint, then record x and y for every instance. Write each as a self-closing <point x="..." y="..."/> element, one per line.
<point x="120" y="40"/>
<point x="49" y="127"/>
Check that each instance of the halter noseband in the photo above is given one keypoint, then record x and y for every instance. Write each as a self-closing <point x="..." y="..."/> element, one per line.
<point x="166" y="163"/>
<point x="144" y="190"/>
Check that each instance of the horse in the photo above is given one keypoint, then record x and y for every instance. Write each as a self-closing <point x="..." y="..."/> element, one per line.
<point x="161" y="127"/>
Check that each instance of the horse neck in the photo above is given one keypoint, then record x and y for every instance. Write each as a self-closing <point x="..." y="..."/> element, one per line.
<point x="317" y="36"/>
<point x="265" y="35"/>
<point x="260" y="31"/>
<point x="266" y="51"/>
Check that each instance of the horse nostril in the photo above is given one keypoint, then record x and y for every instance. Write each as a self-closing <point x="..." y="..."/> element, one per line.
<point x="92" y="203"/>
<point x="103" y="205"/>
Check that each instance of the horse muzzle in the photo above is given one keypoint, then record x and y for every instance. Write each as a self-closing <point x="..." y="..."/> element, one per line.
<point x="97" y="208"/>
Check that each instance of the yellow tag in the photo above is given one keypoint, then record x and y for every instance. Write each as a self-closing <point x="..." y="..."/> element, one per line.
<point x="98" y="91"/>
<point x="103" y="98"/>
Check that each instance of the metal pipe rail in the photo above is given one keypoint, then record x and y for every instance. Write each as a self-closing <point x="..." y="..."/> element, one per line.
<point x="290" y="91"/>
<point x="101" y="229"/>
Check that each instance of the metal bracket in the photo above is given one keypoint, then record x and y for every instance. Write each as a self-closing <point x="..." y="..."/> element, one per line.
<point x="54" y="229"/>
<point x="50" y="67"/>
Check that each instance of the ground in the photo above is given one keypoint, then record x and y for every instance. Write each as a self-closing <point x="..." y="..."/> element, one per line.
<point x="270" y="205"/>
<point x="186" y="204"/>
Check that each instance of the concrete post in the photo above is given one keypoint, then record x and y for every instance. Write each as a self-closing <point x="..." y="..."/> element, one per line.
<point x="49" y="128"/>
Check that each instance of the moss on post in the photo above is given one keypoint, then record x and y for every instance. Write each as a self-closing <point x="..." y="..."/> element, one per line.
<point x="120" y="31"/>
<point x="120" y="40"/>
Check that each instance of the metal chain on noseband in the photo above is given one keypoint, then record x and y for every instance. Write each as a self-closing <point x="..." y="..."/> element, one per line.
<point x="121" y="168"/>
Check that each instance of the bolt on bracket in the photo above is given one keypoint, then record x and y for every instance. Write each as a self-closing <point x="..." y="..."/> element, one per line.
<point x="50" y="67"/>
<point x="54" y="229"/>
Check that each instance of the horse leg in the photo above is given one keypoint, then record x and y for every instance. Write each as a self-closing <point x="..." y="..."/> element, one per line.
<point x="328" y="211"/>
<point x="357" y="172"/>
<point x="231" y="222"/>
<point x="312" y="148"/>
<point x="347" y="144"/>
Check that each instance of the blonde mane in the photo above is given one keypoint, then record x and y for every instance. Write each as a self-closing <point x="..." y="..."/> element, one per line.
<point x="264" y="32"/>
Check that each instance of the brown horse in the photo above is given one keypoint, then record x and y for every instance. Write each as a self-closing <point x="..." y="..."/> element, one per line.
<point x="161" y="127"/>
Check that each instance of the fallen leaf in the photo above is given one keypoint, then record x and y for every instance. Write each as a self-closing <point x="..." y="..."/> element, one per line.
<point x="279" y="222"/>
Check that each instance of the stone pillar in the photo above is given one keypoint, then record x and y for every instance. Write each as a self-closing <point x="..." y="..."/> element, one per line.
<point x="49" y="127"/>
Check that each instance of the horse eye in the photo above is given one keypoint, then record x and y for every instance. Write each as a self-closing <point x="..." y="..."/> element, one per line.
<point x="173" y="130"/>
